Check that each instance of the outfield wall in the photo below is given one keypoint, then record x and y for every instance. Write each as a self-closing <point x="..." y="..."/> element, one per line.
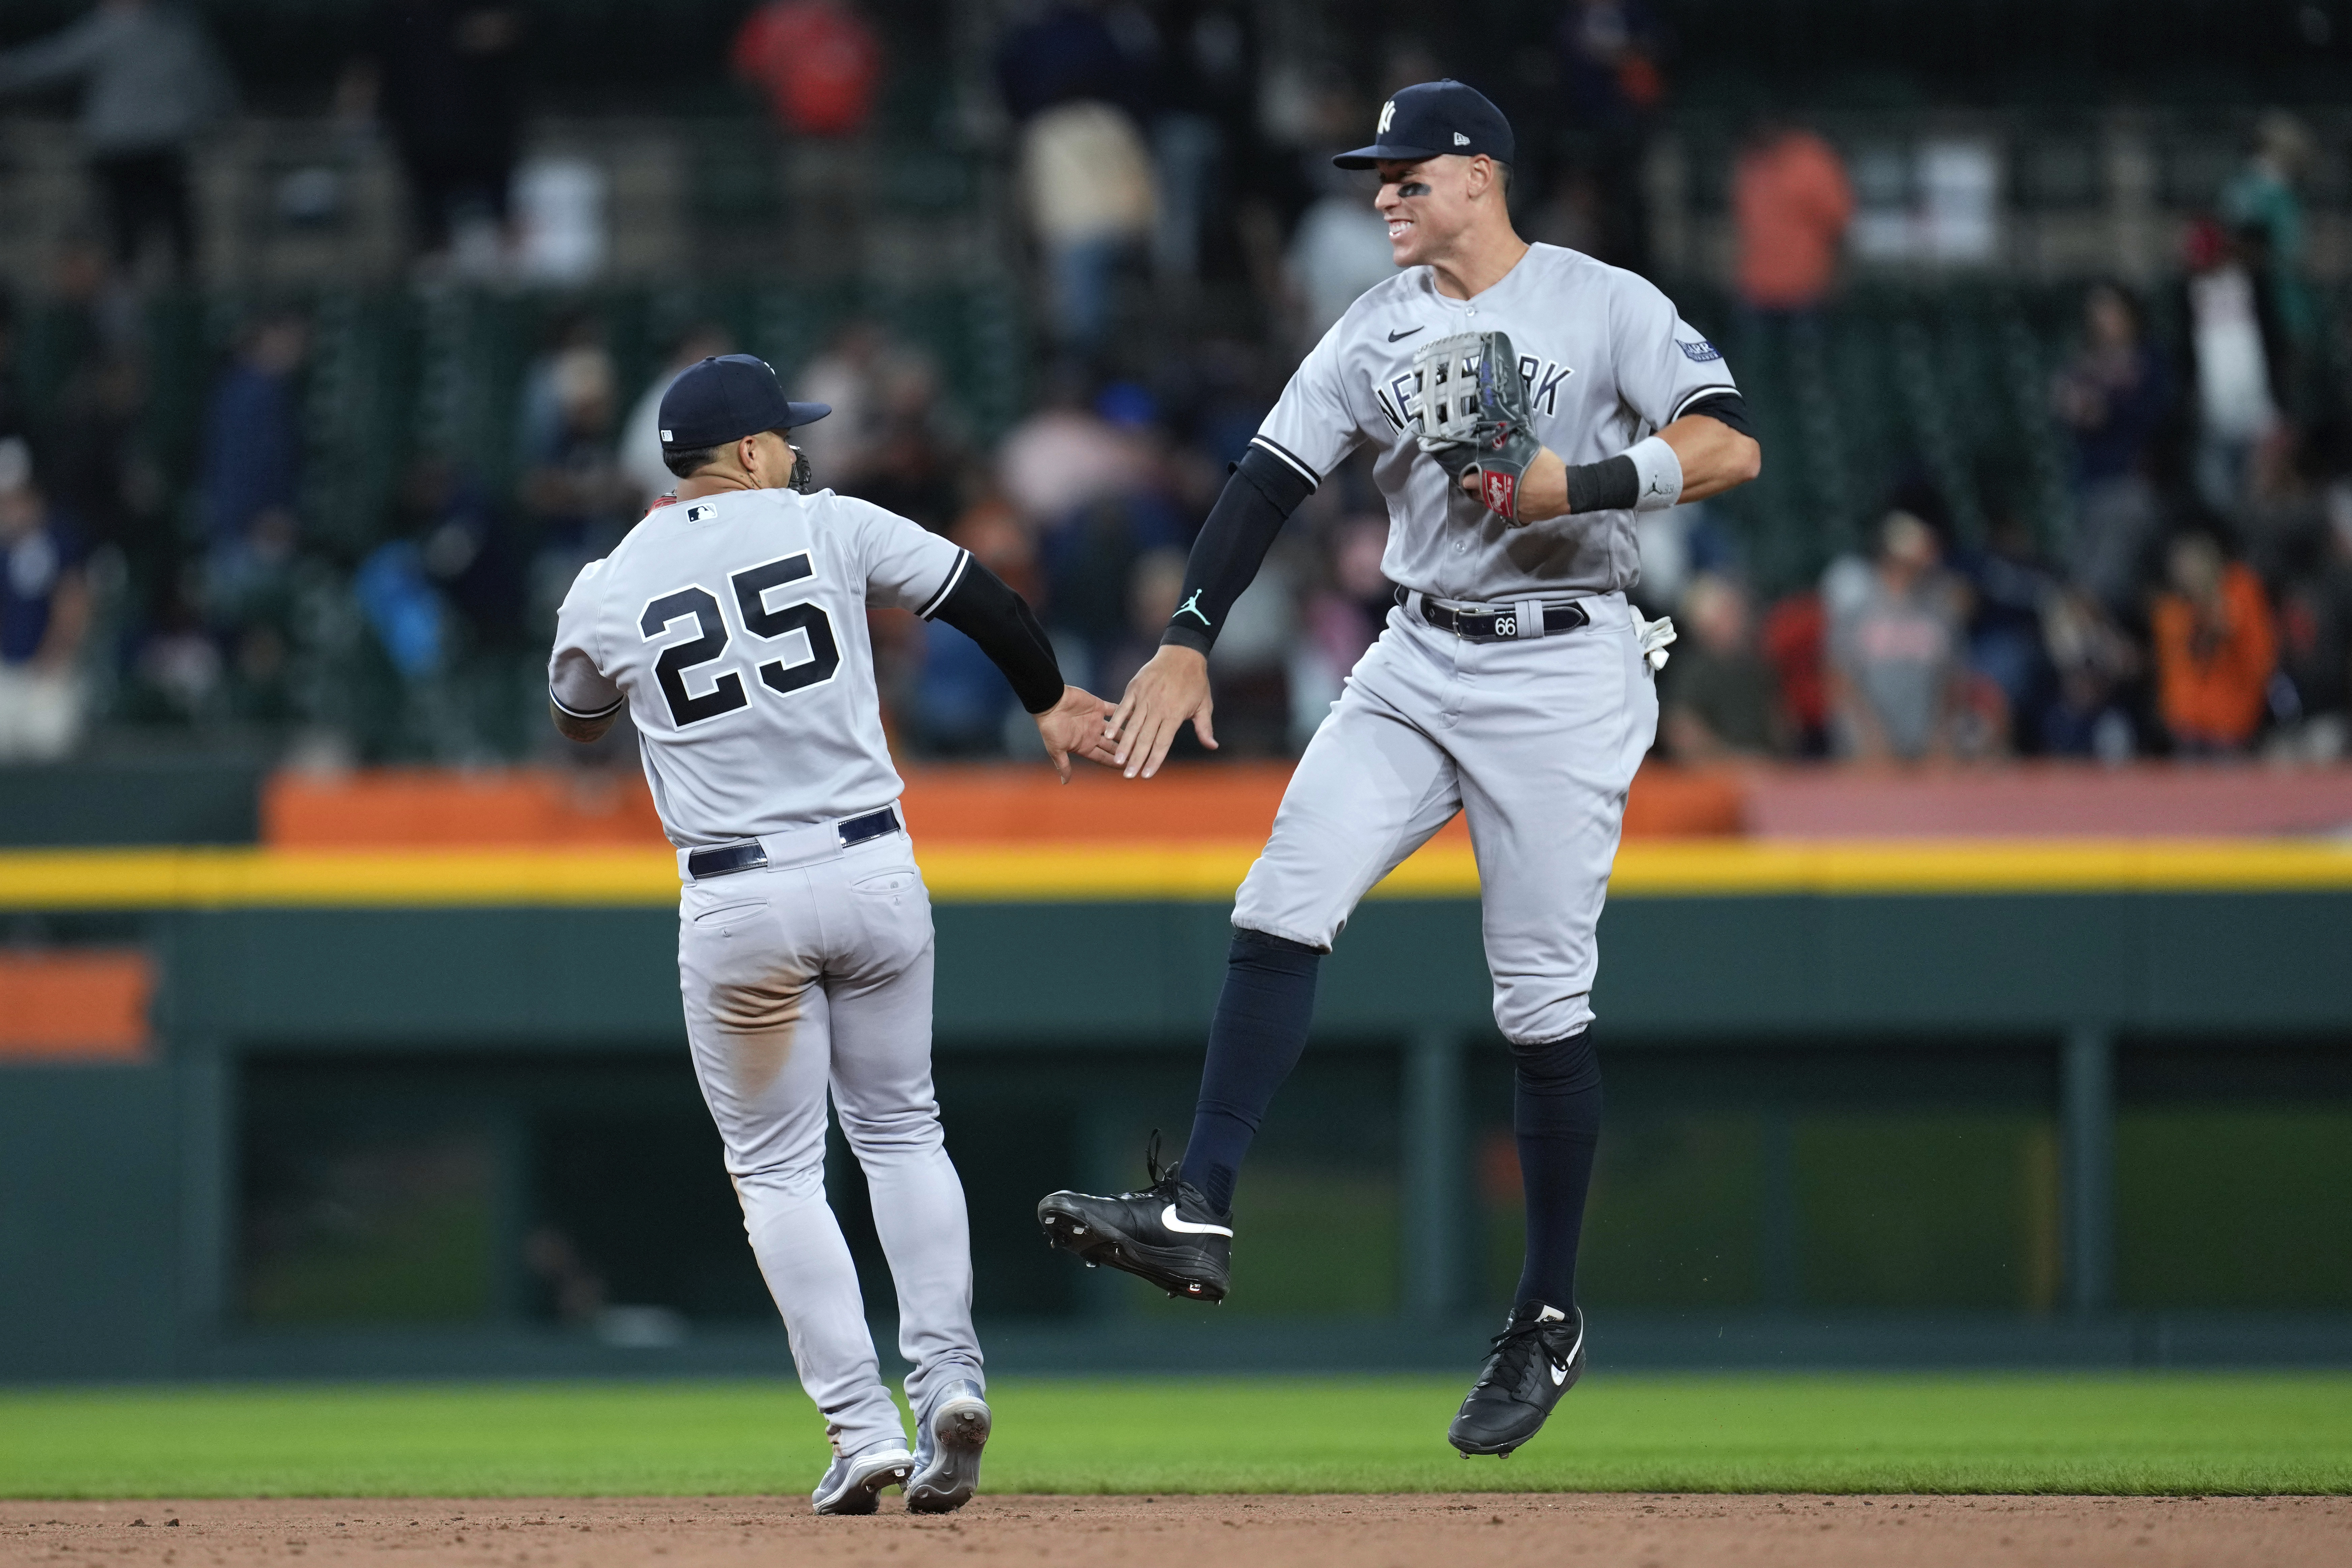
<point x="2071" y="1102"/>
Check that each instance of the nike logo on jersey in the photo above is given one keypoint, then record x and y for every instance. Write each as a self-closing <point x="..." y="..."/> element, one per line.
<point x="1192" y="607"/>
<point x="1186" y="1228"/>
<point x="1407" y="332"/>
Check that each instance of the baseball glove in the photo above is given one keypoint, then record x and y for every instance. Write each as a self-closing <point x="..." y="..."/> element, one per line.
<point x="1473" y="416"/>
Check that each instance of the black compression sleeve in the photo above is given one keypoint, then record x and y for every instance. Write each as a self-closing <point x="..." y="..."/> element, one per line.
<point x="1727" y="408"/>
<point x="1262" y="492"/>
<point x="985" y="610"/>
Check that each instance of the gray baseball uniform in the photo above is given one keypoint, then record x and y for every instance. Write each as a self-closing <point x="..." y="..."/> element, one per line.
<point x="1537" y="738"/>
<point x="734" y="628"/>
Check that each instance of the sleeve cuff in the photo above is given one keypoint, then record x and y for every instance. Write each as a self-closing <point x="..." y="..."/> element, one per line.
<point x="1199" y="642"/>
<point x="605" y="712"/>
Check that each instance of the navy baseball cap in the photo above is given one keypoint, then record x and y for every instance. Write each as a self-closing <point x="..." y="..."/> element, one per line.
<point x="716" y="400"/>
<point x="1431" y="118"/>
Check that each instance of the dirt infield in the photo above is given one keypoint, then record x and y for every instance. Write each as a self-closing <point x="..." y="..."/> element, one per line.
<point x="1392" y="1531"/>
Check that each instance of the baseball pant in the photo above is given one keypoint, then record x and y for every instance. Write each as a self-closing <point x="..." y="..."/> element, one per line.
<point x="814" y="976"/>
<point x="1535" y="740"/>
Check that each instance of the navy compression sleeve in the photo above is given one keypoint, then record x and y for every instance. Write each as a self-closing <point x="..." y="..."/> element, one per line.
<point x="1260" y="493"/>
<point x="985" y="609"/>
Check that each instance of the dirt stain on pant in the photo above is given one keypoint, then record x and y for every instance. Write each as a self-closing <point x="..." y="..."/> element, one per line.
<point x="759" y="1018"/>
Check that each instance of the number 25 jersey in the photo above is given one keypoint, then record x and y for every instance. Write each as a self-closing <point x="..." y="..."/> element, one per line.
<point x="734" y="628"/>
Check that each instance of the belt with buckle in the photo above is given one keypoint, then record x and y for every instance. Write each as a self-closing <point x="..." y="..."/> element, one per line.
<point x="1500" y="625"/>
<point x="726" y="860"/>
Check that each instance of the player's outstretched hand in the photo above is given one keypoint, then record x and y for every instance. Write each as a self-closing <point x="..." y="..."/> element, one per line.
<point x="1075" y="728"/>
<point x="1171" y="688"/>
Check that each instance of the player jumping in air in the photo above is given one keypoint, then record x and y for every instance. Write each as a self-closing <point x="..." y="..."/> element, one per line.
<point x="731" y="624"/>
<point x="1525" y="402"/>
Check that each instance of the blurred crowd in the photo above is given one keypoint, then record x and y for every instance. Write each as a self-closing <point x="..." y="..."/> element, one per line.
<point x="2198" y="601"/>
<point x="1188" y="239"/>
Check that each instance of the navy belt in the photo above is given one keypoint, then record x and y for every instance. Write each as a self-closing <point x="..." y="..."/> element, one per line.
<point x="726" y="860"/>
<point x="1497" y="626"/>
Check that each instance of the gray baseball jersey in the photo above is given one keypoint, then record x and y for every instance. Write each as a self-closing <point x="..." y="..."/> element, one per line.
<point x="1607" y="360"/>
<point x="734" y="627"/>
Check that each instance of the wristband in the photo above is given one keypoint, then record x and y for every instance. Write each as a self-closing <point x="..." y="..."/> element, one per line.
<point x="1660" y="473"/>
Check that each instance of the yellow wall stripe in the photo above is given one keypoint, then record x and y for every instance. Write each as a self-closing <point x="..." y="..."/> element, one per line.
<point x="231" y="878"/>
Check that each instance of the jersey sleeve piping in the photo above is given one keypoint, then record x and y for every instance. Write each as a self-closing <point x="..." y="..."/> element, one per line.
<point x="613" y="707"/>
<point x="955" y="575"/>
<point x="1697" y="395"/>
<point x="1314" y="480"/>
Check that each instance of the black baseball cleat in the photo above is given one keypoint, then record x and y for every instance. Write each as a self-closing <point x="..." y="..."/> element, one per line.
<point x="1537" y="1358"/>
<point x="1167" y="1233"/>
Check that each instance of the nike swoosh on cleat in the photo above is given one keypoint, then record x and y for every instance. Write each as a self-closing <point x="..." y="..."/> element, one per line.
<point x="1559" y="1373"/>
<point x="1407" y="332"/>
<point x="1186" y="1228"/>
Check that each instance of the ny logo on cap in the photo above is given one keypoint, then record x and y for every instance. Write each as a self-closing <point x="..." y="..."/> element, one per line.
<point x="1388" y="112"/>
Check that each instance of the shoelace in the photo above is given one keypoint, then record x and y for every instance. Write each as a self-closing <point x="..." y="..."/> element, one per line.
<point x="1163" y="1182"/>
<point x="1513" y="1348"/>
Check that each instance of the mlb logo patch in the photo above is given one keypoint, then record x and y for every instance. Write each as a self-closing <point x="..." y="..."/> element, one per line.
<point x="700" y="514"/>
<point x="1702" y="352"/>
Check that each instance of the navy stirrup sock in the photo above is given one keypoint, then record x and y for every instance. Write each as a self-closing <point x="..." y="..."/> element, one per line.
<point x="1556" y="1113"/>
<point x="1260" y="1027"/>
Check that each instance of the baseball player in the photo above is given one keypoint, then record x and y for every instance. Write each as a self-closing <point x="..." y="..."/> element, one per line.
<point x="731" y="624"/>
<point x="1525" y="402"/>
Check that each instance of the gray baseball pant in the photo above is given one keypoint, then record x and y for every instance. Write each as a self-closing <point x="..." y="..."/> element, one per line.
<point x="1535" y="739"/>
<point x="815" y="975"/>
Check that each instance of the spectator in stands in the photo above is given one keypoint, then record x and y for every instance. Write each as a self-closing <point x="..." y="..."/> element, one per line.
<point x="640" y="439"/>
<point x="252" y="464"/>
<point x="2315" y="624"/>
<point x="1717" y="695"/>
<point x="1088" y="184"/>
<point x="2260" y="202"/>
<point x="818" y="61"/>
<point x="1609" y="54"/>
<point x="466" y="548"/>
<point x="2238" y="356"/>
<point x="45" y="613"/>
<point x="960" y="702"/>
<point x="153" y="84"/>
<point x="2216" y="648"/>
<point x="1895" y="644"/>
<point x="915" y="464"/>
<point x="445" y="76"/>
<point x="2090" y="714"/>
<point x="1795" y="630"/>
<point x="1080" y="90"/>
<point x="579" y="500"/>
<point x="2007" y="588"/>
<point x="1339" y="248"/>
<point x="1067" y="455"/>
<point x="1201" y="116"/>
<point x="2114" y="395"/>
<point x="1791" y="204"/>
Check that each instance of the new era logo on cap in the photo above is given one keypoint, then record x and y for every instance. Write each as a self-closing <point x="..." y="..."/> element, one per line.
<point x="665" y="435"/>
<point x="1460" y="139"/>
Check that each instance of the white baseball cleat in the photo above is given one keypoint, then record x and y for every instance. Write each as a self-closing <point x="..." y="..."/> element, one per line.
<point x="947" y="1450"/>
<point x="852" y="1483"/>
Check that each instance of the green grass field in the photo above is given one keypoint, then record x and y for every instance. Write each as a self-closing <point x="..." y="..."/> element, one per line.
<point x="2110" y="1434"/>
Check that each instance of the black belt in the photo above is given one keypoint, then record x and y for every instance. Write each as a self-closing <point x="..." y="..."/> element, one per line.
<point x="1497" y="626"/>
<point x="726" y="860"/>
